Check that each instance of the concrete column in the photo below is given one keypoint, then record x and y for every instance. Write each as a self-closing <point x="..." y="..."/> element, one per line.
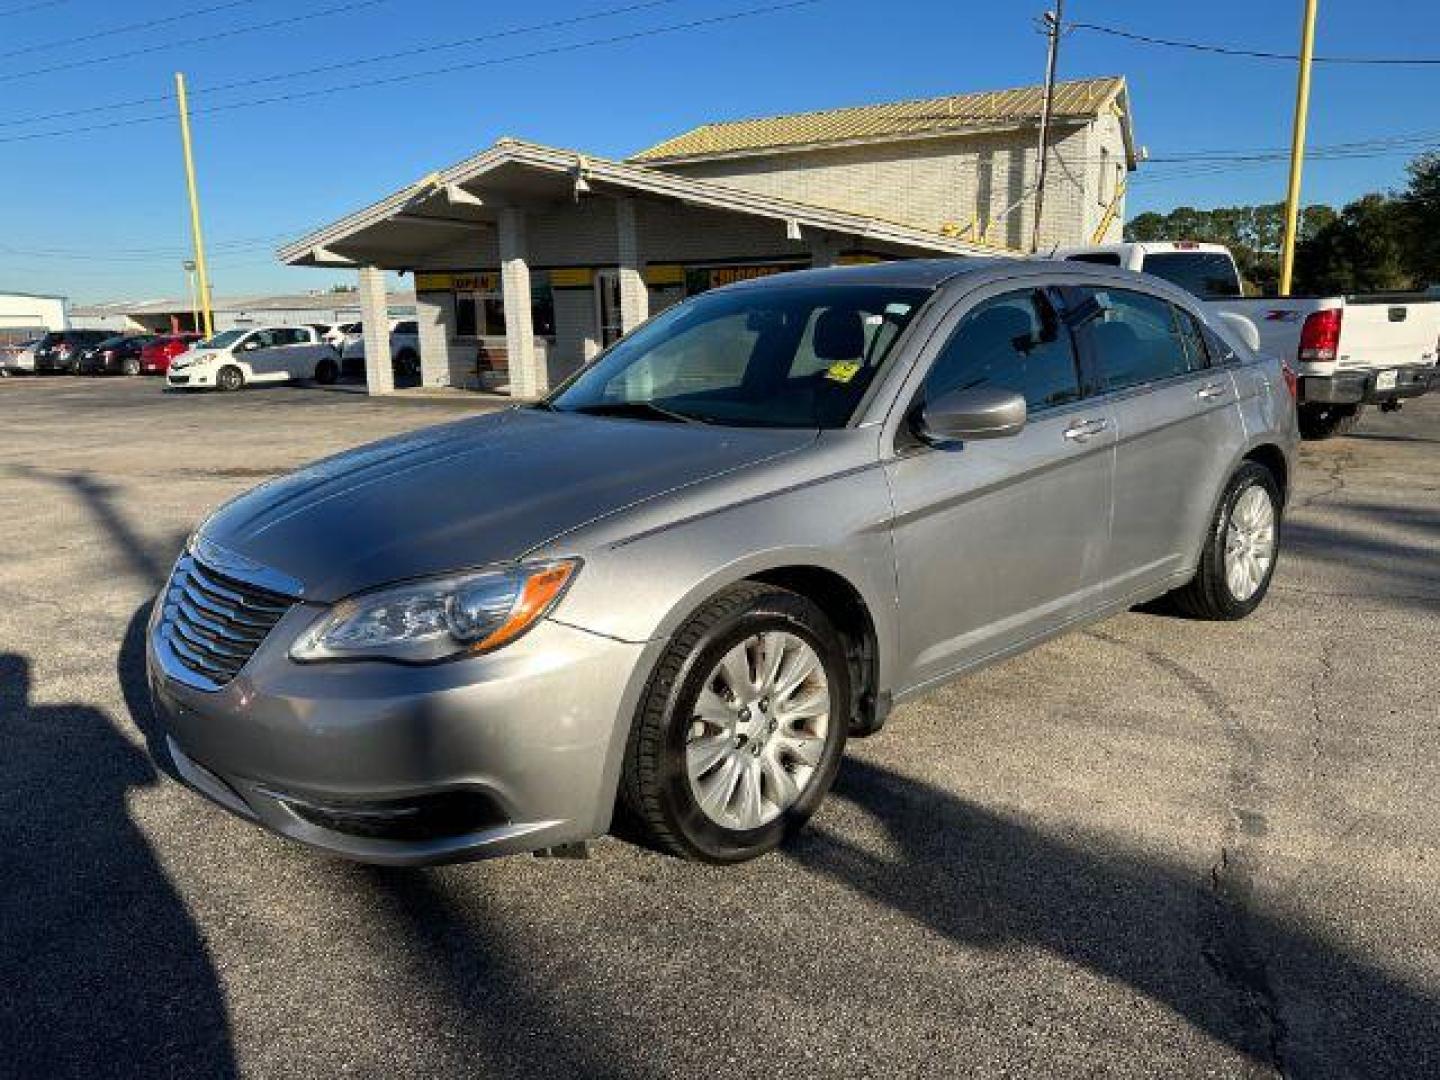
<point x="435" y="316"/>
<point x="375" y="312"/>
<point x="823" y="248"/>
<point x="527" y="378"/>
<point x="634" y="296"/>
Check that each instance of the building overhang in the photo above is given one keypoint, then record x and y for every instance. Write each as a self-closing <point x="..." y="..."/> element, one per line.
<point x="431" y="215"/>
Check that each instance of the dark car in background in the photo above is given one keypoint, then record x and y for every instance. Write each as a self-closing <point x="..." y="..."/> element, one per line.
<point x="116" y="355"/>
<point x="156" y="354"/>
<point x="59" y="350"/>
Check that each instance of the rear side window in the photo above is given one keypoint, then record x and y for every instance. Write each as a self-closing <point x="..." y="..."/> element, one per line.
<point x="1015" y="342"/>
<point x="1209" y="275"/>
<point x="1193" y="338"/>
<point x="1136" y="338"/>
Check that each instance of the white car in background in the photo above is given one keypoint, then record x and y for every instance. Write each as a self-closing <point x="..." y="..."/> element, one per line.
<point x="19" y="358"/>
<point x="404" y="347"/>
<point x="233" y="358"/>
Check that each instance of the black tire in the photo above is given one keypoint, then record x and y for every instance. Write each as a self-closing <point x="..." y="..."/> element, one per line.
<point x="1208" y="594"/>
<point x="655" y="788"/>
<point x="407" y="362"/>
<point x="130" y="366"/>
<point x="229" y="378"/>
<point x="326" y="372"/>
<point x="1327" y="421"/>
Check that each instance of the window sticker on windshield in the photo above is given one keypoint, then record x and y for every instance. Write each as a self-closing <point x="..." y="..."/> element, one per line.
<point x="842" y="371"/>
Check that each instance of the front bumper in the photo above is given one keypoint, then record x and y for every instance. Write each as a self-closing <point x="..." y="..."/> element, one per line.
<point x="1362" y="387"/>
<point x="385" y="763"/>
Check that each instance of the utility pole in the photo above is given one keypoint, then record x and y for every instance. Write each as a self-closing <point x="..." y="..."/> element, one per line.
<point x="1051" y="20"/>
<point x="189" y="265"/>
<point x="194" y="205"/>
<point x="1297" y="148"/>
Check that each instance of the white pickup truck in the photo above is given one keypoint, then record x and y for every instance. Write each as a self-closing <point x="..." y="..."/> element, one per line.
<point x="1348" y="351"/>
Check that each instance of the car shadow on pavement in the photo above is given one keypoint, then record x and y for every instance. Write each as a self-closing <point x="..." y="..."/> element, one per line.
<point x="104" y="970"/>
<point x="1255" y="980"/>
<point x="515" y="1021"/>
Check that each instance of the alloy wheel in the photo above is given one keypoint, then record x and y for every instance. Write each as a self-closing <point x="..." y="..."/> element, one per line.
<point x="1249" y="542"/>
<point x="758" y="730"/>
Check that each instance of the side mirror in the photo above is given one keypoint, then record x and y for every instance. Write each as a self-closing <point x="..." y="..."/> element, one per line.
<point x="985" y="412"/>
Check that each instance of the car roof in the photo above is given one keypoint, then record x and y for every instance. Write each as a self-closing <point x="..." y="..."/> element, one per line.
<point x="917" y="273"/>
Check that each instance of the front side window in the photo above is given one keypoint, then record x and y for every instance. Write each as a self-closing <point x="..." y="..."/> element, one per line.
<point x="1013" y="342"/>
<point x="1193" y="338"/>
<point x="758" y="357"/>
<point x="1136" y="337"/>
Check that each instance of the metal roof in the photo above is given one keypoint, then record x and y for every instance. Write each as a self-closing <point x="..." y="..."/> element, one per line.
<point x="316" y="247"/>
<point x="1083" y="98"/>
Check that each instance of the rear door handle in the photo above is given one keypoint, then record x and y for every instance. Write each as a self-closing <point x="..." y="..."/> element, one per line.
<point x="1210" y="391"/>
<point x="1085" y="429"/>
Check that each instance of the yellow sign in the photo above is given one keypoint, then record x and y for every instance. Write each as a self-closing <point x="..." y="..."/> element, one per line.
<point x="571" y="277"/>
<point x="728" y="275"/>
<point x="842" y="371"/>
<point x="488" y="281"/>
<point x="664" y="274"/>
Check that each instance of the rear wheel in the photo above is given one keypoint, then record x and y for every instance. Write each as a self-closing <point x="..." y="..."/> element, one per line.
<point x="1240" y="551"/>
<point x="131" y="365"/>
<point x="1325" y="421"/>
<point x="742" y="727"/>
<point x="326" y="372"/>
<point x="407" y="362"/>
<point x="230" y="377"/>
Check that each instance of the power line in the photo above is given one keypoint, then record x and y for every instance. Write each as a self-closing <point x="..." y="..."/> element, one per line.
<point x="1253" y="54"/>
<point x="24" y="8"/>
<point x="497" y="35"/>
<point x="175" y="43"/>
<point x="128" y="28"/>
<point x="553" y="50"/>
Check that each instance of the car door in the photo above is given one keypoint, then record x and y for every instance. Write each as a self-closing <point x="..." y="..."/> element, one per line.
<point x="1178" y="429"/>
<point x="999" y="541"/>
<point x="295" y="358"/>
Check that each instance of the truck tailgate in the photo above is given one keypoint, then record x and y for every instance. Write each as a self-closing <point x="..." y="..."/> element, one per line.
<point x="1378" y="333"/>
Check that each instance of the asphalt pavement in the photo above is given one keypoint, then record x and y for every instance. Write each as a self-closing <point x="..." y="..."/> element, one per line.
<point x="1155" y="847"/>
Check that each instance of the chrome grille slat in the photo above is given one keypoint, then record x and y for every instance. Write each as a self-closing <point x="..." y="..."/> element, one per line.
<point x="213" y="623"/>
<point x="211" y="610"/>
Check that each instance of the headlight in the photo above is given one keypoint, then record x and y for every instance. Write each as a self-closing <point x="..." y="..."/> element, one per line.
<point x="425" y="621"/>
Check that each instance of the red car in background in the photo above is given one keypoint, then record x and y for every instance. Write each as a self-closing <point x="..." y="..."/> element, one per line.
<point x="156" y="356"/>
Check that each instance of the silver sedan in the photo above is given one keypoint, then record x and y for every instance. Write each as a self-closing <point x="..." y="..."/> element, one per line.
<point x="738" y="537"/>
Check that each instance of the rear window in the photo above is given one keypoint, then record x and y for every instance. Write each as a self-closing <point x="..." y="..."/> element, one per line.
<point x="1099" y="258"/>
<point x="1209" y="275"/>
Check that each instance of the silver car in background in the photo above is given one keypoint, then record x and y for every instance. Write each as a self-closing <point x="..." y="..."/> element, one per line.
<point x="742" y="534"/>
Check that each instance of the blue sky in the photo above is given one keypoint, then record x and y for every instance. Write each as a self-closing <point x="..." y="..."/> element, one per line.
<point x="101" y="214"/>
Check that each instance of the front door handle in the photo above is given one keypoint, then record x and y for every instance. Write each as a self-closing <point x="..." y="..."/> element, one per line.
<point x="1210" y="391"/>
<point x="1085" y="429"/>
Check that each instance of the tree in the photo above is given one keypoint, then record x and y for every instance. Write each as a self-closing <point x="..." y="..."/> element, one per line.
<point x="1420" y="219"/>
<point x="1362" y="250"/>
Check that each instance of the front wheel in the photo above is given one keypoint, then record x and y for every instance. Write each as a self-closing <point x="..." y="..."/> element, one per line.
<point x="131" y="365"/>
<point x="741" y="730"/>
<point x="1240" y="550"/>
<point x="230" y="377"/>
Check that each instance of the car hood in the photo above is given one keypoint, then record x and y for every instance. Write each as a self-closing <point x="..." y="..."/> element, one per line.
<point x="478" y="492"/>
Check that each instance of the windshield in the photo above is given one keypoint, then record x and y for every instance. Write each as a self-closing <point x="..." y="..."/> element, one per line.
<point x="755" y="357"/>
<point x="222" y="340"/>
<point x="1209" y="275"/>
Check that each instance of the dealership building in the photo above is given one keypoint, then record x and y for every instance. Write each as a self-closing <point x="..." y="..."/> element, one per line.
<point x="527" y="259"/>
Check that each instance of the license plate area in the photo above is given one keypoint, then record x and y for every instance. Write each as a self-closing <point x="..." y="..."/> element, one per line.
<point x="1386" y="380"/>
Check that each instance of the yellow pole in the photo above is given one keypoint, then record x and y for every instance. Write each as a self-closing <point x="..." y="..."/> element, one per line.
<point x="194" y="205"/>
<point x="1297" y="148"/>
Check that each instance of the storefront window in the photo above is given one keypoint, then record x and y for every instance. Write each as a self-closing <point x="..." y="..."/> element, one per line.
<point x="465" y="315"/>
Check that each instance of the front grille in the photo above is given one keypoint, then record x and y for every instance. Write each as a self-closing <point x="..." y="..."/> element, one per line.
<point x="213" y="623"/>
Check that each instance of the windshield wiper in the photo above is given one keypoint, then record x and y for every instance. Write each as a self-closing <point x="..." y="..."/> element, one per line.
<point x="639" y="410"/>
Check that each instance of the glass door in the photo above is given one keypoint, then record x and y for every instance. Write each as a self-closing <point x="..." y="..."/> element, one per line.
<point x="607" y="306"/>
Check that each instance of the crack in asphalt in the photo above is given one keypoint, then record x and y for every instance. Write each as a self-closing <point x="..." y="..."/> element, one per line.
<point x="1317" y="711"/>
<point x="1228" y="942"/>
<point x="1335" y="475"/>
